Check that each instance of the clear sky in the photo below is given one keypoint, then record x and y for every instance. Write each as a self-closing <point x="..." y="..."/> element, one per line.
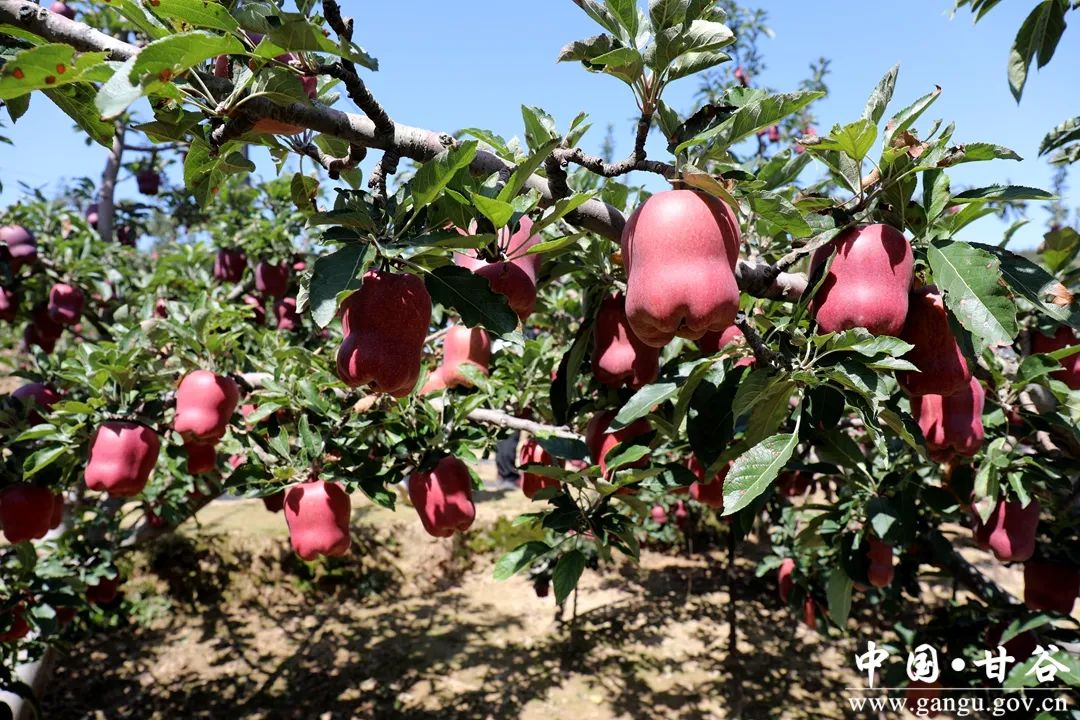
<point x="449" y="65"/>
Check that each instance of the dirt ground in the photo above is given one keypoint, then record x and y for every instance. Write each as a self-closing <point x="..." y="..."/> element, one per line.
<point x="228" y="624"/>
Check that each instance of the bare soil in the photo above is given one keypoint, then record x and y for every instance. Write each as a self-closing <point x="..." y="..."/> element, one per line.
<point x="227" y="623"/>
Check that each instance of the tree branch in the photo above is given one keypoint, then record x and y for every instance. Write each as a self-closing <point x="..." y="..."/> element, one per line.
<point x="334" y="165"/>
<point x="756" y="279"/>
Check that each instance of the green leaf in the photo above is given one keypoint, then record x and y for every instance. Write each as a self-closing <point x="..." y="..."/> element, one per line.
<point x="471" y="296"/>
<point x="1060" y="136"/>
<point x="332" y="275"/>
<point x="969" y="279"/>
<point x="539" y="127"/>
<point x="781" y="213"/>
<point x="434" y="175"/>
<point x="750" y="118"/>
<point x="46" y="67"/>
<point x="524" y="171"/>
<point x="904" y="119"/>
<point x="641" y="404"/>
<point x="880" y="97"/>
<point x="169" y="56"/>
<point x="519" y="558"/>
<point x="1001" y="192"/>
<point x="291" y="31"/>
<point x="77" y="102"/>
<point x="838" y="593"/>
<point x="42" y="459"/>
<point x="854" y="140"/>
<point x="497" y="212"/>
<point x="198" y="13"/>
<point x="1038" y="37"/>
<point x="1041" y="289"/>
<point x="566" y="574"/>
<point x="755" y="470"/>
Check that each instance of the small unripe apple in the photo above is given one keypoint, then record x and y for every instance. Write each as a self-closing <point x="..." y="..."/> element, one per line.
<point x="619" y="356"/>
<point x="943" y="367"/>
<point x="25" y="511"/>
<point x="600" y="441"/>
<point x="205" y="403"/>
<point x="122" y="456"/>
<point x="880" y="571"/>
<point x="285" y="312"/>
<point x="1051" y="586"/>
<point x="462" y="346"/>
<point x="1010" y="531"/>
<point x="21" y="245"/>
<point x="533" y="453"/>
<point x="65" y="304"/>
<point x="784" y="580"/>
<point x="1064" y="337"/>
<point x="951" y="424"/>
<point x="680" y="248"/>
<point x="272" y="279"/>
<point x="104" y="592"/>
<point x="34" y="397"/>
<point x="318" y="513"/>
<point x="442" y="497"/>
<point x="18" y="628"/>
<point x="9" y="304"/>
<point x="229" y="265"/>
<point x="709" y="493"/>
<point x="385" y="324"/>
<point x="149" y="182"/>
<point x="868" y="283"/>
<point x="201" y="458"/>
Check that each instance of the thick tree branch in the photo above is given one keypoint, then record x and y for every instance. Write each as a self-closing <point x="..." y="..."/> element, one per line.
<point x="757" y="279"/>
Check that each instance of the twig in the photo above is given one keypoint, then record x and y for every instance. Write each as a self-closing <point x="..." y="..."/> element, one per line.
<point x="334" y="165"/>
<point x="386" y="166"/>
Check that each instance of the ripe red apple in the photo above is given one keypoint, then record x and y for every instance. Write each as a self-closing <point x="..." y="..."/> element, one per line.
<point x="104" y="591"/>
<point x="515" y="277"/>
<point x="785" y="582"/>
<point x="867" y="284"/>
<point x="201" y="458"/>
<point x="285" y="312"/>
<point x="658" y="515"/>
<point x="275" y="502"/>
<point x="61" y="8"/>
<point x="809" y="613"/>
<point x="35" y="396"/>
<point x="258" y="308"/>
<point x="1010" y="530"/>
<point x="794" y="483"/>
<point x="385" y="324"/>
<point x="92" y="215"/>
<point x="510" y="280"/>
<point x="682" y="515"/>
<point x="149" y="181"/>
<point x="122" y="455"/>
<point x="880" y="571"/>
<point x="1064" y="337"/>
<point x="600" y="441"/>
<point x="18" y="627"/>
<point x="943" y="367"/>
<point x="533" y="453"/>
<point x="443" y="498"/>
<point x="713" y="342"/>
<point x="951" y="424"/>
<point x="45" y="327"/>
<point x="65" y="304"/>
<point x="272" y="279"/>
<point x="619" y="357"/>
<point x="32" y="337"/>
<point x="161" y="308"/>
<point x="1051" y="586"/>
<point x="741" y="77"/>
<point x="229" y="265"/>
<point x="464" y="345"/>
<point x="709" y="493"/>
<point x="57" y="515"/>
<point x="774" y="134"/>
<point x="517" y="247"/>
<point x="318" y="513"/>
<point x="680" y="249"/>
<point x="9" y="304"/>
<point x="1020" y="647"/>
<point x="205" y="403"/>
<point x="125" y="235"/>
<point x="26" y="511"/>
<point x="21" y="246"/>
<point x="434" y="382"/>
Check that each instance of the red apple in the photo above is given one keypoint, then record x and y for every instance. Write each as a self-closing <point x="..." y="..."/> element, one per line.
<point x="257" y="307"/>
<point x="658" y="515"/>
<point x="867" y="284"/>
<point x="713" y="342"/>
<point x="122" y="456"/>
<point x="35" y="396"/>
<point x="880" y="571"/>
<point x="600" y="441"/>
<point x="18" y="628"/>
<point x="1010" y="531"/>
<point x="21" y="246"/>
<point x="784" y="578"/>
<point x="619" y="357"/>
<point x="61" y="8"/>
<point x="385" y="324"/>
<point x="205" y="403"/>
<point x="65" y="304"/>
<point x="943" y="367"/>
<point x="26" y="511"/>
<point x="1051" y="586"/>
<point x="951" y="424"/>
<point x="709" y="493"/>
<point x="1064" y="337"/>
<point x="464" y="346"/>
<point x="275" y="502"/>
<point x="317" y="513"/>
<point x="9" y="304"/>
<point x="229" y="265"/>
<point x="285" y="312"/>
<point x="533" y="453"/>
<point x="149" y="182"/>
<point x="680" y="249"/>
<point x="442" y="497"/>
<point x="272" y="279"/>
<point x="201" y="458"/>
<point x="104" y="591"/>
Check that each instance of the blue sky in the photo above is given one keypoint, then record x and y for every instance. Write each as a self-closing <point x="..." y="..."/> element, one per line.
<point x="446" y="66"/>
